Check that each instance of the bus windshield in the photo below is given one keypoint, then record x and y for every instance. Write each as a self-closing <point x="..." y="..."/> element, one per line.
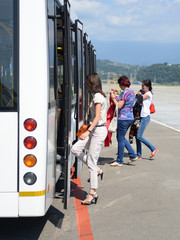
<point x="8" y="55"/>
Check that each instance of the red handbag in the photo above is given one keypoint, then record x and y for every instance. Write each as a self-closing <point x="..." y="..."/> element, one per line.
<point x="152" y="108"/>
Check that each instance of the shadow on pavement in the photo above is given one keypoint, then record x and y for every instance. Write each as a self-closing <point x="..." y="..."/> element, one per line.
<point x="103" y="160"/>
<point x="29" y="228"/>
<point x="77" y="191"/>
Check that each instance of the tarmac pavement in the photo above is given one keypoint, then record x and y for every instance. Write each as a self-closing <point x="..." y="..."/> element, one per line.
<point x="139" y="201"/>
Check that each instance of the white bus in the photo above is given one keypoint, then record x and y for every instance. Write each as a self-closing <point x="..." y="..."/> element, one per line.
<point x="44" y="58"/>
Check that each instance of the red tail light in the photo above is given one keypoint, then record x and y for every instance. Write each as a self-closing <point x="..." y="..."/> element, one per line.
<point x="30" y="124"/>
<point x="30" y="142"/>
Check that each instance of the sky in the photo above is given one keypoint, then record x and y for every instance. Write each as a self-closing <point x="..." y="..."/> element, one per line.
<point x="141" y="32"/>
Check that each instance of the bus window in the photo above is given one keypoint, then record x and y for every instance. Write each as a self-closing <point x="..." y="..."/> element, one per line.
<point x="60" y="63"/>
<point x="60" y="57"/>
<point x="73" y="67"/>
<point x="79" y="29"/>
<point x="51" y="7"/>
<point x="8" y="61"/>
<point x="80" y="71"/>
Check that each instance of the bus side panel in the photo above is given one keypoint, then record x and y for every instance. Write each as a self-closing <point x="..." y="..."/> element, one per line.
<point x="8" y="151"/>
<point x="51" y="163"/>
<point x="9" y="204"/>
<point x="33" y="96"/>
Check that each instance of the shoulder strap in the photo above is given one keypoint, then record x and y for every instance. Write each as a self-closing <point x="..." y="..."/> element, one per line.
<point x="116" y="110"/>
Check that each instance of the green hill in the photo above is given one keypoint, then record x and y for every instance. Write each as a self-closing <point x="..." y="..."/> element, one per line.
<point x="161" y="73"/>
<point x="158" y="73"/>
<point x="105" y="66"/>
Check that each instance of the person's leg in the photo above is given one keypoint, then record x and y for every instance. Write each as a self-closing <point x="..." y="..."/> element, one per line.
<point x="129" y="148"/>
<point x="79" y="147"/>
<point x="123" y="126"/>
<point x="96" y="143"/>
<point x="144" y="122"/>
<point x="138" y="142"/>
<point x="138" y="146"/>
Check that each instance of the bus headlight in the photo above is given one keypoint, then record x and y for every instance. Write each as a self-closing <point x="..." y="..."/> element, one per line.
<point x="30" y="178"/>
<point x="30" y="160"/>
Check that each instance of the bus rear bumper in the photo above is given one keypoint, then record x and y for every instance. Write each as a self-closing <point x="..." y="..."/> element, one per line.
<point x="32" y="206"/>
<point x="12" y="206"/>
<point x="9" y="204"/>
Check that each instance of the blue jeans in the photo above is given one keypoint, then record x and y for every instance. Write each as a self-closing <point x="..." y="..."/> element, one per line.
<point x="140" y="138"/>
<point x="123" y="126"/>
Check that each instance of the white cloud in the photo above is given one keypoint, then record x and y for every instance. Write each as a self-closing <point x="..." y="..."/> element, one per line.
<point x="88" y="8"/>
<point x="126" y="1"/>
<point x="121" y="21"/>
<point x="153" y="20"/>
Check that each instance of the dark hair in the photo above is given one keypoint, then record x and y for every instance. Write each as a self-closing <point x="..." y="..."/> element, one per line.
<point x="148" y="84"/>
<point x="93" y="81"/>
<point x="124" y="81"/>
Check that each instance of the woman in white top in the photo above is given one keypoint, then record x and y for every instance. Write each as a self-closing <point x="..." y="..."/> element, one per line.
<point x="93" y="139"/>
<point x="145" y="119"/>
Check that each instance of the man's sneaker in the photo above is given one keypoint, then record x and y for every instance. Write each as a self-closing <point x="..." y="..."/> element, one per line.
<point x="153" y="153"/>
<point x="116" y="164"/>
<point x="139" y="157"/>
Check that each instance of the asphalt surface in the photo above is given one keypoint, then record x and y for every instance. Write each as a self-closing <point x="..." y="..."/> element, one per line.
<point x="139" y="201"/>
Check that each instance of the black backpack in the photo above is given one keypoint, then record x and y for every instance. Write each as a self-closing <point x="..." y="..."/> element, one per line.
<point x="137" y="106"/>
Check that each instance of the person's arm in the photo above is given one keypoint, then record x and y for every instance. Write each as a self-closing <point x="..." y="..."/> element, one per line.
<point x="145" y="96"/>
<point x="120" y="103"/>
<point x="94" y="122"/>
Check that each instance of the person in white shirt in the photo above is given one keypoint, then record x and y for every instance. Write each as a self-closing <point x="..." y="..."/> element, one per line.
<point x="93" y="139"/>
<point x="145" y="119"/>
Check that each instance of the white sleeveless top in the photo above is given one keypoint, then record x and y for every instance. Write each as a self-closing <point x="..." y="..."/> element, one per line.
<point x="145" y="111"/>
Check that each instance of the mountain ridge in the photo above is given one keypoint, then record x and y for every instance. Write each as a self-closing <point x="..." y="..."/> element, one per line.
<point x="162" y="73"/>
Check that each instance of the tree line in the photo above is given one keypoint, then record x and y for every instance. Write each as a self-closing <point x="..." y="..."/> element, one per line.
<point x="167" y="74"/>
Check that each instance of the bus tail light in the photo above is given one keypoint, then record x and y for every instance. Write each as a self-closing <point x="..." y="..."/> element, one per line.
<point x="30" y="142"/>
<point x="30" y="160"/>
<point x="30" y="124"/>
<point x="30" y="178"/>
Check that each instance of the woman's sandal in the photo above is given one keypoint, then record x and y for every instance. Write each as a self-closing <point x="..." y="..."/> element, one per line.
<point x="99" y="173"/>
<point x="93" y="200"/>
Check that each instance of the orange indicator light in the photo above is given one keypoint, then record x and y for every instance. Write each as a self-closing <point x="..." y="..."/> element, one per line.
<point x="30" y="160"/>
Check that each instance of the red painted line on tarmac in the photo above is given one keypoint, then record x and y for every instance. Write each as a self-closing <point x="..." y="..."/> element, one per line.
<point x="82" y="214"/>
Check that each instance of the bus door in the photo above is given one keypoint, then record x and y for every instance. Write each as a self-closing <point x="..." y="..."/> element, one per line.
<point x="8" y="108"/>
<point x="52" y="108"/>
<point x="60" y="90"/>
<point x="66" y="99"/>
<point x="80" y="100"/>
